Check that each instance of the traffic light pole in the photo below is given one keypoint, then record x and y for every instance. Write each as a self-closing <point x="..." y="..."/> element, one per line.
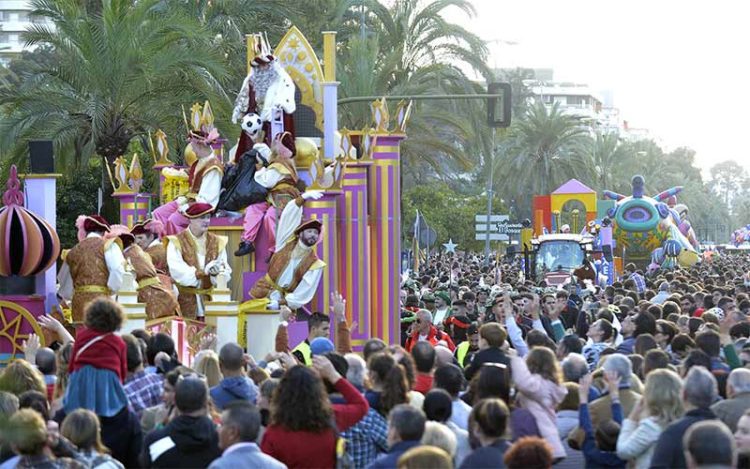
<point x="418" y="97"/>
<point x="489" y="201"/>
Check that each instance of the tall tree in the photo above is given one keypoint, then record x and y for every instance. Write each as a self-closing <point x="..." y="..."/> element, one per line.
<point x="348" y="18"/>
<point x="741" y="210"/>
<point x="228" y="21"/>
<point x="728" y="179"/>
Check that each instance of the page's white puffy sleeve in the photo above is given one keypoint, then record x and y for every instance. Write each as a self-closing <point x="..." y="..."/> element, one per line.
<point x="210" y="188"/>
<point x="115" y="261"/>
<point x="288" y="222"/>
<point x="181" y="272"/>
<point x="268" y="177"/>
<point x="304" y="292"/>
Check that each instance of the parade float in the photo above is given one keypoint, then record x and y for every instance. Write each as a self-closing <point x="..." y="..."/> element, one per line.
<point x="29" y="247"/>
<point x="652" y="232"/>
<point x="358" y="173"/>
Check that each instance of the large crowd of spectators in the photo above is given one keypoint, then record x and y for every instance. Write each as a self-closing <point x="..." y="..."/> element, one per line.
<point x="492" y="370"/>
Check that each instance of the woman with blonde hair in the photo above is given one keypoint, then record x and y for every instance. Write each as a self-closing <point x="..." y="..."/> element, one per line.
<point x="81" y="427"/>
<point x="207" y="364"/>
<point x="660" y="405"/>
<point x="425" y="456"/>
<point x="21" y="376"/>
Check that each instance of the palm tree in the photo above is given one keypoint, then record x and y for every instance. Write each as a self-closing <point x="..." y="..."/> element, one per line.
<point x="606" y="153"/>
<point x="416" y="34"/>
<point x="414" y="50"/>
<point x="348" y="18"/>
<point x="540" y="153"/>
<point x="228" y="21"/>
<point x="122" y="70"/>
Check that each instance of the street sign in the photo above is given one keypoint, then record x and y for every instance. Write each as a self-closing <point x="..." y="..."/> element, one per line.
<point x="492" y="227"/>
<point x="493" y="218"/>
<point x="509" y="228"/>
<point x="493" y="237"/>
<point x="496" y="227"/>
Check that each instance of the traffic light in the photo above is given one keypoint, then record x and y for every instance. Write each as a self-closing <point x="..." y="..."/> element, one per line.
<point x="498" y="109"/>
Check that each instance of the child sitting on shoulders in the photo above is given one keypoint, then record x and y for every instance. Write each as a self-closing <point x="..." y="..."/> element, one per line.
<point x="98" y="362"/>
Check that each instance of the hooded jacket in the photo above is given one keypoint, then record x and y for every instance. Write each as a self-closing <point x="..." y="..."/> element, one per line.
<point x="235" y="388"/>
<point x="185" y="442"/>
<point x="540" y="397"/>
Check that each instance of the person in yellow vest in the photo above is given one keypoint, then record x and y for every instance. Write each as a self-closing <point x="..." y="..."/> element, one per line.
<point x="93" y="268"/>
<point x="195" y="257"/>
<point x="294" y="270"/>
<point x="466" y="349"/>
<point x="319" y="326"/>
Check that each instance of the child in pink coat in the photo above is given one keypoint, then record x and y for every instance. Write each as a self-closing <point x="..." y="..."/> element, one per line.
<point x="538" y="382"/>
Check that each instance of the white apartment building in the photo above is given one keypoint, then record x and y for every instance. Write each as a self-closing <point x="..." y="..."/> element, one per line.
<point x="15" y="17"/>
<point x="595" y="109"/>
<point x="574" y="99"/>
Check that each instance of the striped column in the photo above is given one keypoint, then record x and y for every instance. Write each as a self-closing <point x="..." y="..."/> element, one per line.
<point x="133" y="208"/>
<point x="384" y="183"/>
<point x="41" y="198"/>
<point x="330" y="94"/>
<point x="324" y="209"/>
<point x="354" y="252"/>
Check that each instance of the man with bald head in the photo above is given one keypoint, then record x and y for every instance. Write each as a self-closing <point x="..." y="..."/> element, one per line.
<point x="235" y="386"/>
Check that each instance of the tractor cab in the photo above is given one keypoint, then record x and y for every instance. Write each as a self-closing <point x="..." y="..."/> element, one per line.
<point x="558" y="255"/>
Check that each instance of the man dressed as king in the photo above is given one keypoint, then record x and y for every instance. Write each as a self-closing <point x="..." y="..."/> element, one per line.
<point x="294" y="270"/>
<point x="93" y="268"/>
<point x="195" y="257"/>
<point x="267" y="93"/>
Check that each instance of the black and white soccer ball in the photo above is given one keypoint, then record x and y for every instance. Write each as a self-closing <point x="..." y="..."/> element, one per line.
<point x="251" y="124"/>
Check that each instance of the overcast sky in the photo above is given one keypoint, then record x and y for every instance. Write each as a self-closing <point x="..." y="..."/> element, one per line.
<point x="679" y="68"/>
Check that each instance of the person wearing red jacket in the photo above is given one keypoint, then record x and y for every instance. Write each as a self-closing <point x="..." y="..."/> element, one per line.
<point x="301" y="433"/>
<point x="98" y="362"/>
<point x="423" y="329"/>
